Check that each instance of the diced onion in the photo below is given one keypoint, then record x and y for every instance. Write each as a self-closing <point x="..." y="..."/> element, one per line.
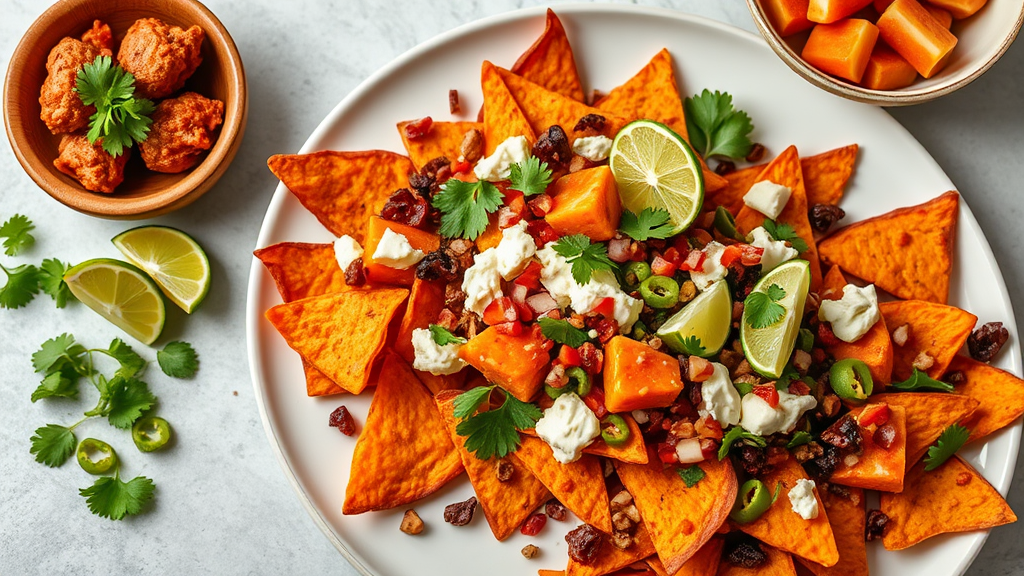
<point x="688" y="451"/>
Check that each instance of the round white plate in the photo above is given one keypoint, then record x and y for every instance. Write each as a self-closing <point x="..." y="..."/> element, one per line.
<point x="610" y="43"/>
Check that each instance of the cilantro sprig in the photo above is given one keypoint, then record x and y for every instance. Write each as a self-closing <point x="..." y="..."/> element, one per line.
<point x="921" y="381"/>
<point x="178" y="360"/>
<point x="111" y="497"/>
<point x="24" y="282"/>
<point x="734" y="435"/>
<point x="443" y="337"/>
<point x="785" y="233"/>
<point x="585" y="257"/>
<point x="531" y="176"/>
<point x="493" y="432"/>
<point x="715" y="127"/>
<point x="120" y="117"/>
<point x="650" y="223"/>
<point x="21" y="287"/>
<point x="951" y="440"/>
<point x="693" y="346"/>
<point x="562" y="331"/>
<point x="464" y="207"/>
<point x="16" y="232"/>
<point x="691" y="475"/>
<point x="763" y="308"/>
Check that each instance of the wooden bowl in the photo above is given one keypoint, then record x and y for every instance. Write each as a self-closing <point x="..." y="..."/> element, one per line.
<point x="143" y="194"/>
<point x="981" y="41"/>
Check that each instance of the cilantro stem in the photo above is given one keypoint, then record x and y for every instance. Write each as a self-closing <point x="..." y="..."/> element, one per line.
<point x="84" y="418"/>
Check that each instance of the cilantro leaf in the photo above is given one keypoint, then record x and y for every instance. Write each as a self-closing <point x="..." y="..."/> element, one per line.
<point x="691" y="476"/>
<point x="562" y="331"/>
<point x="53" y="444"/>
<point x="111" y="497"/>
<point x="799" y="439"/>
<point x="763" y="309"/>
<point x="585" y="257"/>
<point x="650" y="223"/>
<point x="465" y="404"/>
<point x="949" y="442"/>
<point x="693" y="346"/>
<point x="62" y="383"/>
<point x="531" y="176"/>
<point x="129" y="398"/>
<point x="464" y="207"/>
<point x="496" y="432"/>
<point x="178" y="360"/>
<point x="736" y="433"/>
<point x="785" y="233"/>
<point x="51" y="280"/>
<point x="743" y="388"/>
<point x="120" y="118"/>
<point x="921" y="381"/>
<point x="21" y="287"/>
<point x="15" y="233"/>
<point x="442" y="337"/>
<point x="715" y="127"/>
<point x="131" y="363"/>
<point x="58" y="352"/>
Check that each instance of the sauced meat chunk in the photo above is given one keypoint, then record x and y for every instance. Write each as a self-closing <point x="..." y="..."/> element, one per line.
<point x="61" y="109"/>
<point x="90" y="164"/>
<point x="101" y="37"/>
<point x="182" y="130"/>
<point x="160" y="56"/>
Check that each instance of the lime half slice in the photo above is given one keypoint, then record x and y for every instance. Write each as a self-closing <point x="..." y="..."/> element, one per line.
<point x="702" y="326"/>
<point x="171" y="258"/>
<point x="122" y="294"/>
<point x="768" y="349"/>
<point x="655" y="168"/>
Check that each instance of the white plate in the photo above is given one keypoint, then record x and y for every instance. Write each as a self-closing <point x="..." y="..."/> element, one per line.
<point x="610" y="43"/>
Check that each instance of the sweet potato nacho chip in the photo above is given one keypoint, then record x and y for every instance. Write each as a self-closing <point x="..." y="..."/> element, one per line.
<point x="934" y="331"/>
<point x="786" y="530"/>
<point x="578" y="485"/>
<point x="421" y="240"/>
<point x="928" y="414"/>
<point x="999" y="393"/>
<point x="634" y="451"/>
<point x="907" y="252"/>
<point x="503" y="118"/>
<point x="651" y="94"/>
<point x="404" y="452"/>
<point x="549" y="61"/>
<point x="738" y="183"/>
<point x="874" y="348"/>
<point x="680" y="519"/>
<point x="426" y="300"/>
<point x="340" y="334"/>
<point x="951" y="498"/>
<point x="703" y="563"/>
<point x="877" y="468"/>
<point x="779" y="564"/>
<point x="505" y="504"/>
<point x="609" y="558"/>
<point x="342" y="189"/>
<point x="846" y="513"/>
<point x="443" y="139"/>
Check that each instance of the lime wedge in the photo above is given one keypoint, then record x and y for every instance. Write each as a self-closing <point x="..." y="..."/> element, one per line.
<point x="655" y="168"/>
<point x="702" y="326"/>
<point x="768" y="349"/>
<point x="122" y="294"/>
<point x="171" y="258"/>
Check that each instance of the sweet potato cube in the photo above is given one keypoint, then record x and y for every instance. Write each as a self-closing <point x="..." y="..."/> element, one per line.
<point x="787" y="16"/>
<point x="586" y="202"/>
<point x="829" y="11"/>
<point x="637" y="376"/>
<point x="887" y="70"/>
<point x="841" y="49"/>
<point x="881" y="5"/>
<point x="516" y="363"/>
<point x="913" y="32"/>
<point x="959" y="9"/>
<point x="380" y="274"/>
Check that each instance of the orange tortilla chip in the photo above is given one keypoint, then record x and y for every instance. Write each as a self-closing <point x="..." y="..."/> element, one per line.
<point x="578" y="485"/>
<point x="873" y="348"/>
<point x="933" y="329"/>
<point x="785" y="170"/>
<point x="426" y="300"/>
<point x="404" y="452"/>
<point x="703" y="563"/>
<point x="779" y="564"/>
<point x="340" y="334"/>
<point x="999" y="393"/>
<point x="503" y="118"/>
<point x="609" y="558"/>
<point x="907" y="252"/>
<point x="443" y="139"/>
<point x="878" y="468"/>
<point x="505" y="504"/>
<point x="738" y="183"/>
<point x="951" y="498"/>
<point x="317" y="383"/>
<point x="846" y="513"/>
<point x="786" y="530"/>
<point x="549" y="62"/>
<point x="651" y="94"/>
<point x="928" y="414"/>
<point x="680" y="519"/>
<point x="634" y="451"/>
<point x="343" y="189"/>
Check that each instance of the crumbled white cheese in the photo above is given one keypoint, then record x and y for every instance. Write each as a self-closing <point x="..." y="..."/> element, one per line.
<point x="852" y="315"/>
<point x="713" y="269"/>
<point x="556" y="276"/>
<point x="515" y="250"/>
<point x="761" y="419"/>
<point x="346" y="250"/>
<point x="432" y="358"/>
<point x="768" y="198"/>
<point x="395" y="251"/>
<point x="775" y="251"/>
<point x="568" y="426"/>
<point x="802" y="500"/>
<point x="498" y="165"/>
<point x="719" y="397"/>
<point x="593" y="148"/>
<point x="482" y="282"/>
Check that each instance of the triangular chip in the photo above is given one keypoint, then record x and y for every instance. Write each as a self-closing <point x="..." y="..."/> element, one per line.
<point x="951" y="498"/>
<point x="738" y="183"/>
<point x="703" y="563"/>
<point x="786" y="530"/>
<point x="340" y="334"/>
<point x="1000" y="394"/>
<point x="404" y="452"/>
<point x="443" y="139"/>
<point x="934" y="330"/>
<point x="779" y="564"/>
<point x="549" y="61"/>
<point x="317" y="383"/>
<point x="928" y="414"/>
<point x="503" y="118"/>
<point x="785" y="170"/>
<point x="873" y="348"/>
<point x="680" y="519"/>
<point x="846" y="513"/>
<point x="609" y="558"/>
<point x="877" y="468"/>
<point x="505" y="504"/>
<point x="578" y="485"/>
<point x="634" y="451"/>
<point x="907" y="252"/>
<point x="426" y="300"/>
<point x="651" y="94"/>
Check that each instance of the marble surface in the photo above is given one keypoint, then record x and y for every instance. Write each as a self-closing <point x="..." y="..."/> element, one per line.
<point x="223" y="504"/>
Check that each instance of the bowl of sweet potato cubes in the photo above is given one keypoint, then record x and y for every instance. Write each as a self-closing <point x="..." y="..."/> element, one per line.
<point x="889" y="52"/>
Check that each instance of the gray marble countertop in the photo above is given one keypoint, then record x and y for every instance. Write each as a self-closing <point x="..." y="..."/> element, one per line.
<point x="223" y="504"/>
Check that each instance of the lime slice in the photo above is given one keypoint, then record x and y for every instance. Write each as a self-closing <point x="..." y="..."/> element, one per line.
<point x="172" y="258"/>
<point x="122" y="294"/>
<point x="655" y="168"/>
<point x="768" y="349"/>
<point x="702" y="326"/>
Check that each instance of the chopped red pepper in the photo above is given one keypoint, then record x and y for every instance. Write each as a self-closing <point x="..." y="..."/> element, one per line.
<point x="500" y="310"/>
<point x="768" y="393"/>
<point x="673" y="256"/>
<point x="530" y="276"/>
<point x="418" y="128"/>
<point x="694" y="261"/>
<point x="667" y="454"/>
<point x="662" y="267"/>
<point x="751" y="255"/>
<point x="731" y="254"/>
<point x="874" y="414"/>
<point x="606" y="307"/>
<point x="542" y="232"/>
<point x="510" y="328"/>
<point x="826" y="335"/>
<point x="461" y="167"/>
<point x="595" y="401"/>
<point x="569" y="357"/>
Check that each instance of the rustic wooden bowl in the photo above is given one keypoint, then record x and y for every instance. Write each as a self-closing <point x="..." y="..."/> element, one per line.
<point x="143" y="194"/>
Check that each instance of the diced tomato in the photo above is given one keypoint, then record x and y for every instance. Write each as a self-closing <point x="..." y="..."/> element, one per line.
<point x="751" y="255"/>
<point x="606" y="307"/>
<point x="542" y="232"/>
<point x="540" y="205"/>
<point x="877" y="414"/>
<point x="530" y="276"/>
<point x="694" y="261"/>
<point x="510" y="328"/>
<point x="418" y="128"/>
<point x="461" y="167"/>
<point x="524" y="312"/>
<point x="826" y="335"/>
<point x="500" y="310"/>
<point x="662" y="267"/>
<point x="513" y="197"/>
<point x="568" y="357"/>
<point x="768" y="393"/>
<point x="667" y="454"/>
<point x="673" y="256"/>
<point x="534" y="524"/>
<point x="595" y="401"/>
<point x="682" y="244"/>
<point x="699" y="369"/>
<point x="731" y="254"/>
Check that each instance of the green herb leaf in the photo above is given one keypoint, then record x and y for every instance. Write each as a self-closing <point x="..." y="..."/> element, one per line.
<point x="21" y="287"/>
<point x="650" y="223"/>
<point x="530" y="176"/>
<point x="743" y="388"/>
<point x="442" y="337"/>
<point x="53" y="444"/>
<point x="464" y="207"/>
<point x="129" y="398"/>
<point x="110" y="497"/>
<point x="736" y="433"/>
<point x="131" y="363"/>
<point x="62" y="384"/>
<point x="496" y="432"/>
<point x="585" y="257"/>
<point x="951" y="440"/>
<point x="56" y="353"/>
<point x="562" y="331"/>
<point x="785" y="233"/>
<point x="466" y="404"/>
<point x="691" y="476"/>
<point x="715" y="127"/>
<point x="921" y="381"/>
<point x="799" y="439"/>
<point x="15" y="233"/>
<point x="120" y="118"/>
<point x="789" y="374"/>
<point x="693" y="346"/>
<point x="763" y="308"/>
<point x="178" y="360"/>
<point x="51" y="280"/>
